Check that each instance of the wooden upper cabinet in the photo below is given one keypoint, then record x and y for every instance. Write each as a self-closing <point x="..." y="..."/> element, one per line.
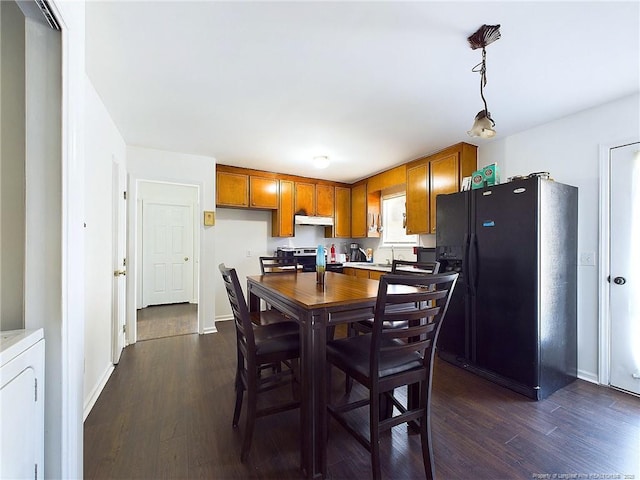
<point x="342" y="219"/>
<point x="282" y="218"/>
<point x="444" y="177"/>
<point x="325" y="200"/>
<point x="388" y="179"/>
<point x="446" y="171"/>
<point x="428" y="177"/>
<point x="232" y="189"/>
<point x="305" y="198"/>
<point x="263" y="192"/>
<point x="417" y="199"/>
<point x="359" y="211"/>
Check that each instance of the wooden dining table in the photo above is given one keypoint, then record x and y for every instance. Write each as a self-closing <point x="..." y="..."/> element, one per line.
<point x="342" y="299"/>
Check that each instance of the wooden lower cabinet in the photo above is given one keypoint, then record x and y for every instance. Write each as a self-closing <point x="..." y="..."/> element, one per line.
<point x="349" y="271"/>
<point x="375" y="274"/>
<point x="363" y="273"/>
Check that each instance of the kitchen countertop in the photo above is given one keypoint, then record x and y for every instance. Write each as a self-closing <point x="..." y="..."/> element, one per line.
<point x="384" y="267"/>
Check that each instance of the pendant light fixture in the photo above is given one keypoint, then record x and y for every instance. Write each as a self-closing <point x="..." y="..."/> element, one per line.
<point x="483" y="123"/>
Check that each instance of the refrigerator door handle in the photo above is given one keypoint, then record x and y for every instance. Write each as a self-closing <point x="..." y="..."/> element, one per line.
<point x="465" y="262"/>
<point x="473" y="263"/>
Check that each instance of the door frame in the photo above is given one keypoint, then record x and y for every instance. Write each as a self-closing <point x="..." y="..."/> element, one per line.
<point x="119" y="232"/>
<point x="604" y="287"/>
<point x="134" y="269"/>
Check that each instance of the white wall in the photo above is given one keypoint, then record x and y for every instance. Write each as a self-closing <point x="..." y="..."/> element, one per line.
<point x="161" y="166"/>
<point x="568" y="149"/>
<point x="12" y="166"/>
<point x="103" y="146"/>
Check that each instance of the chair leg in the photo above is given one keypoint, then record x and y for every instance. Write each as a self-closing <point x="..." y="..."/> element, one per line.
<point x="236" y="411"/>
<point x="427" y="451"/>
<point x="374" y="435"/>
<point x="425" y="437"/>
<point x="250" y="423"/>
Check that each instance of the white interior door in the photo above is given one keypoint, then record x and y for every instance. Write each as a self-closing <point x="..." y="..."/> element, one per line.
<point x="119" y="261"/>
<point x="625" y="260"/>
<point x="167" y="253"/>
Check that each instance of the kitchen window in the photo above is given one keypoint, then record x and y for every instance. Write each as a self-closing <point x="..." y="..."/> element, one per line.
<point x="394" y="218"/>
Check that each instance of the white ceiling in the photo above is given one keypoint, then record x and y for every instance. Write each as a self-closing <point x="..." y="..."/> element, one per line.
<point x="268" y="85"/>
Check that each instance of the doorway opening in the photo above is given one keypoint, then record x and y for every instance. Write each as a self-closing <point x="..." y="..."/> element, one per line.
<point x="168" y="245"/>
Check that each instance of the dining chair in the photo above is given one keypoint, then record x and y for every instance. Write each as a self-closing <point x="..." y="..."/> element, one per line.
<point x="259" y="348"/>
<point x="388" y="358"/>
<point x="399" y="267"/>
<point x="408" y="267"/>
<point x="269" y="265"/>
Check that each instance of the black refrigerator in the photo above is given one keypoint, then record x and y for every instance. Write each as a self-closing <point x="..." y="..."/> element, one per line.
<point x="512" y="316"/>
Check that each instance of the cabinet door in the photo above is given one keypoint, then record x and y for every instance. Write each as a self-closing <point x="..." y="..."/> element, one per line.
<point x="349" y="271"/>
<point x="324" y="200"/>
<point x="418" y="199"/>
<point x="444" y="177"/>
<point x="282" y="218"/>
<point x="342" y="220"/>
<point x="306" y="198"/>
<point x="264" y="192"/>
<point x="375" y="274"/>
<point x="361" y="273"/>
<point x="232" y="189"/>
<point x="359" y="211"/>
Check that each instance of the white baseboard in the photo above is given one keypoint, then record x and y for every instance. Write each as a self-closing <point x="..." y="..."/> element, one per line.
<point x="207" y="330"/>
<point x="588" y="376"/>
<point x="95" y="393"/>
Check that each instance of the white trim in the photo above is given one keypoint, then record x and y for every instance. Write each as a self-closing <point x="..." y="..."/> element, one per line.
<point x="588" y="376"/>
<point x="604" y="320"/>
<point x="97" y="390"/>
<point x="604" y="232"/>
<point x="209" y="330"/>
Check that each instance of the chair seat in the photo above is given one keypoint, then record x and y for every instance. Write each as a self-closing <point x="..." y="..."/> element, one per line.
<point x="269" y="341"/>
<point x="353" y="354"/>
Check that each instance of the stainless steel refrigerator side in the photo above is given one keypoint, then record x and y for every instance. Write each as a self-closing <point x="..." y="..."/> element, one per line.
<point x="558" y="286"/>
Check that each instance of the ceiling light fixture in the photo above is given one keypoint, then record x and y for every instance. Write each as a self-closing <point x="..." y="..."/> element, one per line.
<point x="483" y="123"/>
<point x="321" y="161"/>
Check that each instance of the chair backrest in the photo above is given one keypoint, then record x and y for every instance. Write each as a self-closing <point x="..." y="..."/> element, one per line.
<point x="278" y="265"/>
<point x="242" y="319"/>
<point x="407" y="267"/>
<point x="425" y="299"/>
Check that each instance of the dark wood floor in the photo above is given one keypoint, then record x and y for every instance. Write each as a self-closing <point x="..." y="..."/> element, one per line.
<point x="159" y="321"/>
<point x="166" y="413"/>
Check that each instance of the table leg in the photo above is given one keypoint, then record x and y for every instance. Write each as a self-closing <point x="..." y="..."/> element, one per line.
<point x="313" y="416"/>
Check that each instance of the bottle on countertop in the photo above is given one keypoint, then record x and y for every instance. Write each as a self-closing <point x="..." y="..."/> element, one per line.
<point x="321" y="260"/>
<point x="333" y="253"/>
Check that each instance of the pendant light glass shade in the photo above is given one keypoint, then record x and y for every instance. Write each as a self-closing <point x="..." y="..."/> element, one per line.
<point x="482" y="126"/>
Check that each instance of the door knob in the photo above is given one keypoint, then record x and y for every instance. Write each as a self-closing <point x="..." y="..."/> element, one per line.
<point x="186" y="259"/>
<point x="619" y="280"/>
<point x="117" y="273"/>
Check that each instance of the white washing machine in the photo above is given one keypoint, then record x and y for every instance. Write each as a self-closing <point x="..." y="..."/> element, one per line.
<point x="22" y="404"/>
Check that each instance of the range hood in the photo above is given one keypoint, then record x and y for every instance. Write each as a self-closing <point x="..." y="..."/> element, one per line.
<point x="313" y="220"/>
